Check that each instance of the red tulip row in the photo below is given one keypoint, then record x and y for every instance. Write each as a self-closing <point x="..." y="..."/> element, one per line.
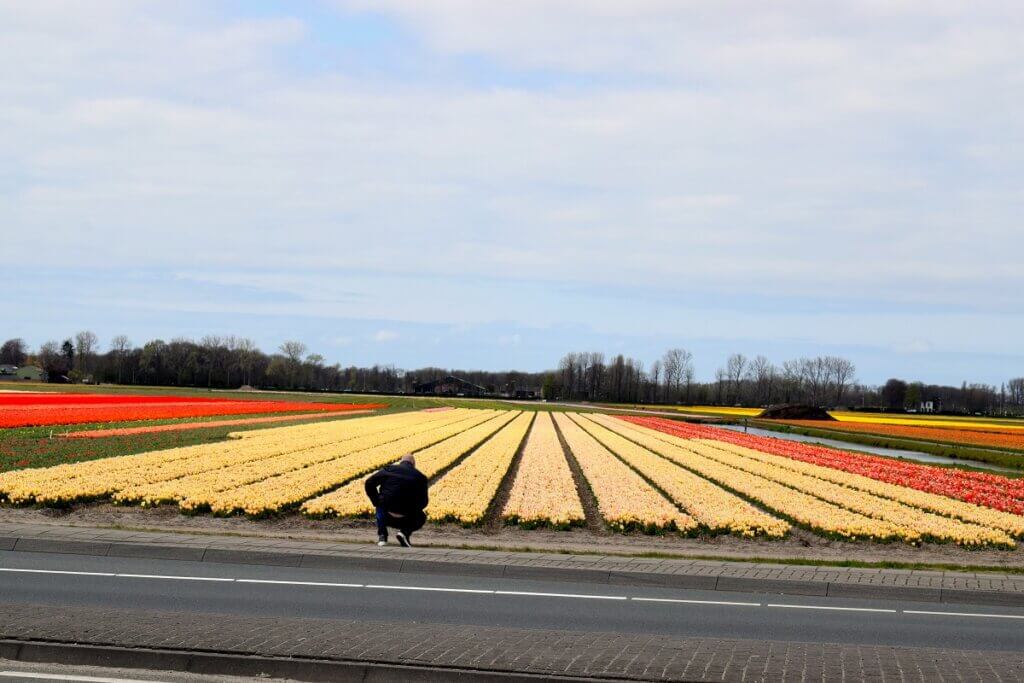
<point x="990" y="490"/>
<point x="59" y="399"/>
<point x="67" y="409"/>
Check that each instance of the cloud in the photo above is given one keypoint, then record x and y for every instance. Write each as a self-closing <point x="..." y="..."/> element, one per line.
<point x="385" y="336"/>
<point x="914" y="346"/>
<point x="646" y="166"/>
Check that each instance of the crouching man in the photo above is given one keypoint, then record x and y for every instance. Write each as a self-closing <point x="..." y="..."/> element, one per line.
<point x="399" y="492"/>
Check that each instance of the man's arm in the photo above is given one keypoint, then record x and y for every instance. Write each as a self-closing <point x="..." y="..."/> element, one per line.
<point x="371" y="487"/>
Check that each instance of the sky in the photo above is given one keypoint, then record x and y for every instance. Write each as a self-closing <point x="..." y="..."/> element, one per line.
<point x="476" y="184"/>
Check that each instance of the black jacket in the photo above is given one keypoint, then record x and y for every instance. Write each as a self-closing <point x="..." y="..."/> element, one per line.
<point x="398" y="488"/>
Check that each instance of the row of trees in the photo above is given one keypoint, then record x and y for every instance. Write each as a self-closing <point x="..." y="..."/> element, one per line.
<point x="1006" y="399"/>
<point x="828" y="381"/>
<point x="671" y="379"/>
<point x="229" y="362"/>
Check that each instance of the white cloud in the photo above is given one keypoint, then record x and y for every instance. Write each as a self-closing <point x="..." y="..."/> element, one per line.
<point x="867" y="154"/>
<point x="385" y="336"/>
<point x="913" y="346"/>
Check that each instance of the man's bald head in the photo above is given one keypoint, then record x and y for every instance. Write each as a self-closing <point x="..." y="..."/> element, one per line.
<point x="409" y="458"/>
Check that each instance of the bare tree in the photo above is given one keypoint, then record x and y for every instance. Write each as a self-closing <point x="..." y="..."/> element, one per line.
<point x="14" y="352"/>
<point x="735" y="366"/>
<point x="815" y="376"/>
<point x="678" y="368"/>
<point x="294" y="351"/>
<point x="721" y="378"/>
<point x="212" y="347"/>
<point x="247" y="353"/>
<point x="654" y="377"/>
<point x="594" y="373"/>
<point x="792" y="379"/>
<point x="119" y="347"/>
<point x="52" y="359"/>
<point x="762" y="375"/>
<point x="85" y="345"/>
<point x="842" y="373"/>
<point x="1015" y="391"/>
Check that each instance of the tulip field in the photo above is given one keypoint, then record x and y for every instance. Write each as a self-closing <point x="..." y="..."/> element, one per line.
<point x="493" y="468"/>
<point x="27" y="409"/>
<point x="951" y="430"/>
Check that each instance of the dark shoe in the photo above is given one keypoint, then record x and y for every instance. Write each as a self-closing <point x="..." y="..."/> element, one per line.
<point x="382" y="540"/>
<point x="403" y="540"/>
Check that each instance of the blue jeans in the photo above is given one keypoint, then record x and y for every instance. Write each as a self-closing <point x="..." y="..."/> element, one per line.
<point x="407" y="523"/>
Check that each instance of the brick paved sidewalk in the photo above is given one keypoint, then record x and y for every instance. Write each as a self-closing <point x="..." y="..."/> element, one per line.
<point x="932" y="586"/>
<point x="540" y="652"/>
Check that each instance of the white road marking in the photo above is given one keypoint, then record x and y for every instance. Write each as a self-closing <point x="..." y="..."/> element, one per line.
<point x="440" y="589"/>
<point x="562" y="595"/>
<point x="964" y="614"/>
<point x="70" y="677"/>
<point x="840" y="609"/>
<point x="699" y="602"/>
<point x="173" y="578"/>
<point x="303" y="583"/>
<point x="55" y="571"/>
<point x="431" y="588"/>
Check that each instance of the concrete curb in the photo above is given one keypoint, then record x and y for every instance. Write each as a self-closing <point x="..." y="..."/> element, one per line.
<point x="617" y="577"/>
<point x="229" y="664"/>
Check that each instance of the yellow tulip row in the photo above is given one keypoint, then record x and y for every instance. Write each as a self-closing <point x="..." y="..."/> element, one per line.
<point x="912" y="523"/>
<point x="625" y="500"/>
<point x="331" y="428"/>
<point x="714" y="508"/>
<point x="212" y="474"/>
<point x="464" y="493"/>
<point x="102" y="478"/>
<point x="543" y="492"/>
<point x="802" y="508"/>
<point x="351" y="500"/>
<point x="917" y="514"/>
<point x="949" y="507"/>
<point x="282" y="491"/>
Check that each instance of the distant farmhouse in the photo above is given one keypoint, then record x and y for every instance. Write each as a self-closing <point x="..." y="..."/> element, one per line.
<point x="27" y="373"/>
<point x="449" y="386"/>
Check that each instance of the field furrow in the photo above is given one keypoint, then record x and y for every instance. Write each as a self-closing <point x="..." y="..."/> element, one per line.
<point x="283" y="491"/>
<point x="803" y="508"/>
<point x="465" y="493"/>
<point x="948" y="507"/>
<point x="544" y="493"/>
<point x="351" y="500"/>
<point x="714" y="508"/>
<point x="210" y="478"/>
<point x="625" y="500"/>
<point x="980" y="488"/>
<point x="101" y="478"/>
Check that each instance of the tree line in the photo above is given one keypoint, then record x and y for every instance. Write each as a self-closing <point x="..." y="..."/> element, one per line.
<point x="672" y="379"/>
<point x="229" y="362"/>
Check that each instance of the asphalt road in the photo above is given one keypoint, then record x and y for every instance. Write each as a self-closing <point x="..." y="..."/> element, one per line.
<point x="57" y="580"/>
